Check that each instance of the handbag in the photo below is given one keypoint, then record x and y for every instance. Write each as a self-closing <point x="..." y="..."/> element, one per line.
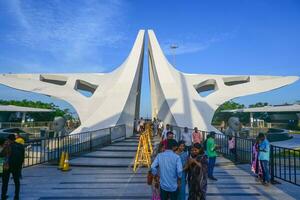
<point x="149" y="178"/>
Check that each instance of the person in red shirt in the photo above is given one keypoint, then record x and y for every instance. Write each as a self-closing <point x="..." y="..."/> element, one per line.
<point x="196" y="136"/>
<point x="170" y="135"/>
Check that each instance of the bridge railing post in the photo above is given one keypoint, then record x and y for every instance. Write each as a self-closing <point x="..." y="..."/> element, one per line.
<point x="91" y="143"/>
<point x="110" y="136"/>
<point x="58" y="148"/>
<point x="236" y="149"/>
<point x="272" y="164"/>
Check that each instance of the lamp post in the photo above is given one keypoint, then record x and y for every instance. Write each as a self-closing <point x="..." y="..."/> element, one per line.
<point x="173" y="48"/>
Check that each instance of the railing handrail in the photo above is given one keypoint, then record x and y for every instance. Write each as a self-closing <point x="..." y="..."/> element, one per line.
<point x="118" y="125"/>
<point x="49" y="149"/>
<point x="279" y="157"/>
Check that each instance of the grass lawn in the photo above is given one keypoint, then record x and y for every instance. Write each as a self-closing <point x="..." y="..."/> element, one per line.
<point x="294" y="132"/>
<point x="287" y="153"/>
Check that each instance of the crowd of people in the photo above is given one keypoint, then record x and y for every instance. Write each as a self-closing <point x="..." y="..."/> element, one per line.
<point x="187" y="160"/>
<point x="183" y="161"/>
<point x="12" y="153"/>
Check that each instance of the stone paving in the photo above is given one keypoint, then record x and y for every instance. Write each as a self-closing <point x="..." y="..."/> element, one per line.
<point x="107" y="174"/>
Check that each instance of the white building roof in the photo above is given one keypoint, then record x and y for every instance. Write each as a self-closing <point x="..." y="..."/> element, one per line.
<point x="281" y="108"/>
<point x="10" y="108"/>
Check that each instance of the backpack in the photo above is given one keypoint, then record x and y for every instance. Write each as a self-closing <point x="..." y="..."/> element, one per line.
<point x="16" y="157"/>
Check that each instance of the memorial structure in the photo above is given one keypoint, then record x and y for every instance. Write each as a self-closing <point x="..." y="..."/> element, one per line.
<point x="177" y="98"/>
<point x="191" y="99"/>
<point x="114" y="99"/>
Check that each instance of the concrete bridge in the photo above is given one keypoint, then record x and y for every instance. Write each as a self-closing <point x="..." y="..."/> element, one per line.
<point x="106" y="173"/>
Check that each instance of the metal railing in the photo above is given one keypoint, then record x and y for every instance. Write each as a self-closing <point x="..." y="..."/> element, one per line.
<point x="49" y="149"/>
<point x="26" y="124"/>
<point x="284" y="162"/>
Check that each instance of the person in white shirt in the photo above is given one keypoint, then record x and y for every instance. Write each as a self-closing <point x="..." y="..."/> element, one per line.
<point x="160" y="127"/>
<point x="135" y="125"/>
<point x="174" y="133"/>
<point x="138" y="128"/>
<point x="142" y="124"/>
<point x="165" y="131"/>
<point x="186" y="136"/>
<point x="155" y="126"/>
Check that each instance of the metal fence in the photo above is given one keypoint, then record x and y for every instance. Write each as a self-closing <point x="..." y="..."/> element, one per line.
<point x="26" y="124"/>
<point x="49" y="149"/>
<point x="284" y="162"/>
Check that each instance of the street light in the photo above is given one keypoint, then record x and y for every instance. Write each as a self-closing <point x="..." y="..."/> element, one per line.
<point x="173" y="47"/>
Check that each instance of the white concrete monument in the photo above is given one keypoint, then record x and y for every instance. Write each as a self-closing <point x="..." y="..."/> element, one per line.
<point x="177" y="98"/>
<point x="115" y="96"/>
<point x="191" y="99"/>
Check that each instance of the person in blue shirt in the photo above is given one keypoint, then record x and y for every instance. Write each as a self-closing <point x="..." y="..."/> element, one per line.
<point x="264" y="157"/>
<point x="170" y="169"/>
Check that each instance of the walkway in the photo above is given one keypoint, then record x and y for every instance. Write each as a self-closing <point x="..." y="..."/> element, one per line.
<point x="104" y="174"/>
<point x="236" y="183"/>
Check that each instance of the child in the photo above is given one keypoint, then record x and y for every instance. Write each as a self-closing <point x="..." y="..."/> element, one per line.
<point x="256" y="167"/>
<point x="197" y="168"/>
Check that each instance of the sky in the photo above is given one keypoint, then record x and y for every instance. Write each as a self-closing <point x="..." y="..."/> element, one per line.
<point x="252" y="37"/>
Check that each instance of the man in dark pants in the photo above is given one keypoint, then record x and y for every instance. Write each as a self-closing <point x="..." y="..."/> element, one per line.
<point x="211" y="151"/>
<point x="13" y="154"/>
<point x="170" y="171"/>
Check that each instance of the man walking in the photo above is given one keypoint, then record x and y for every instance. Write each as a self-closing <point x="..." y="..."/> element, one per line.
<point x="186" y="136"/>
<point x="160" y="127"/>
<point x="13" y="154"/>
<point x="264" y="157"/>
<point x="170" y="171"/>
<point x="155" y="127"/>
<point x="142" y="124"/>
<point x="211" y="154"/>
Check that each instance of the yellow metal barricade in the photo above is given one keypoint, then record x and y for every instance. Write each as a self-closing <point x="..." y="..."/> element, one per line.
<point x="144" y="151"/>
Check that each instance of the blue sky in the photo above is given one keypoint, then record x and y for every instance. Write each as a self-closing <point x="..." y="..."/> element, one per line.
<point x="213" y="36"/>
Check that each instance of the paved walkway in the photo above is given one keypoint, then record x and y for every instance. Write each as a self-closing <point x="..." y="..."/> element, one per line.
<point x="104" y="174"/>
<point x="235" y="182"/>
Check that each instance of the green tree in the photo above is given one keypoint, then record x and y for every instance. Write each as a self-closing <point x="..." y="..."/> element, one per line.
<point x="258" y="104"/>
<point x="38" y="104"/>
<point x="220" y="116"/>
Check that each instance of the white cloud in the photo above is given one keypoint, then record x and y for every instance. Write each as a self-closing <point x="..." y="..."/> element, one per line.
<point x="192" y="44"/>
<point x="70" y="32"/>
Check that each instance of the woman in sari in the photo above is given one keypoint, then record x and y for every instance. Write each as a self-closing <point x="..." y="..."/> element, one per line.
<point x="256" y="167"/>
<point x="196" y="167"/>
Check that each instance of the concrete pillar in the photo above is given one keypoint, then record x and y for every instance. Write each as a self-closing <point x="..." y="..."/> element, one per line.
<point x="298" y="115"/>
<point x="23" y="117"/>
<point x="251" y="120"/>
